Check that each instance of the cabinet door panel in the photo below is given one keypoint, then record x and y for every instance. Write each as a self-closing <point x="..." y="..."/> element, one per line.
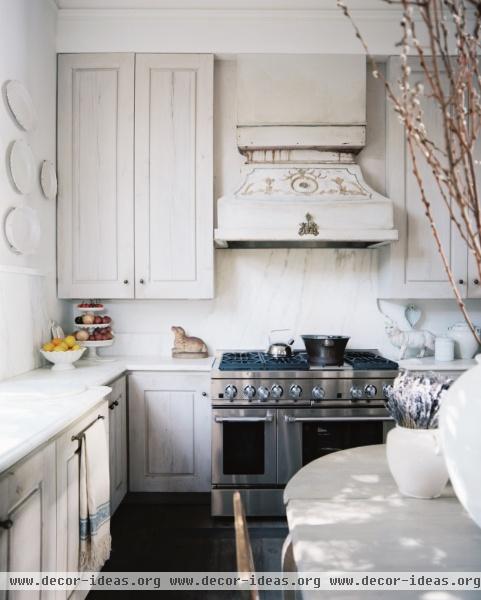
<point x="118" y="442"/>
<point x="169" y="428"/>
<point x="412" y="267"/>
<point x="27" y="498"/>
<point x="173" y="176"/>
<point x="95" y="164"/>
<point x="169" y="417"/>
<point x="68" y="498"/>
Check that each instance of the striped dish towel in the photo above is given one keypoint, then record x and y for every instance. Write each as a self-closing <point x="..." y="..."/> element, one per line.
<point x="95" y="541"/>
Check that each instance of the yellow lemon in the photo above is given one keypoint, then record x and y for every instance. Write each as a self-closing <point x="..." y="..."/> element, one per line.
<point x="62" y="346"/>
<point x="70" y="341"/>
<point x="56" y="341"/>
<point x="75" y="347"/>
<point x="58" y="349"/>
<point x="48" y="347"/>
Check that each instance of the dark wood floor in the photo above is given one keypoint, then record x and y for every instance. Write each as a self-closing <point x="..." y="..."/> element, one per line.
<point x="150" y="535"/>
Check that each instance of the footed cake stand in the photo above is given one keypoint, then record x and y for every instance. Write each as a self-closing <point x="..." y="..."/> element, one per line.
<point x="92" y="350"/>
<point x="91" y="346"/>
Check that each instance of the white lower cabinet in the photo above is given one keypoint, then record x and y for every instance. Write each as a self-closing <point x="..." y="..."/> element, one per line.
<point x="28" y="519"/>
<point x="169" y="428"/>
<point x="68" y="514"/>
<point x="118" y="442"/>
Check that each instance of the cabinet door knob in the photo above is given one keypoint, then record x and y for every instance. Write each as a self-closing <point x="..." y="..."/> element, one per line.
<point x="126" y="282"/>
<point x="7" y="524"/>
<point x="476" y="282"/>
<point x="141" y="281"/>
<point x="204" y="394"/>
<point x="461" y="281"/>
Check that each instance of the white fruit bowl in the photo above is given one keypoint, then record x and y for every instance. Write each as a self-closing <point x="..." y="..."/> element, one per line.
<point x="63" y="361"/>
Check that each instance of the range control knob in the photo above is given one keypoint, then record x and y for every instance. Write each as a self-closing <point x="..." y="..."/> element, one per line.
<point x="263" y="393"/>
<point x="370" y="390"/>
<point x="230" y="392"/>
<point x="318" y="392"/>
<point x="276" y="391"/>
<point x="386" y="390"/>
<point x="295" y="391"/>
<point x="249" y="392"/>
<point x="356" y="392"/>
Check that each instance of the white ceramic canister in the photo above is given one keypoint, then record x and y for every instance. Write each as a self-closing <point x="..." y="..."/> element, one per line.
<point x="416" y="462"/>
<point x="465" y="344"/>
<point x="443" y="348"/>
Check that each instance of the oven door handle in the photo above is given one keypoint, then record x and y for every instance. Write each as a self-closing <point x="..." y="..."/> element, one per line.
<point x="267" y="419"/>
<point x="289" y="419"/>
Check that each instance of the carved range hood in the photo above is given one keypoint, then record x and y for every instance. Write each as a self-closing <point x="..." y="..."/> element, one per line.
<point x="299" y="132"/>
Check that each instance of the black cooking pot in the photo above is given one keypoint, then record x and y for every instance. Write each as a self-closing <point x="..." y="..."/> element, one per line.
<point x="325" y="350"/>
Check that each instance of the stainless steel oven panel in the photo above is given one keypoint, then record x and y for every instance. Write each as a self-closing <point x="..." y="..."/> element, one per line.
<point x="289" y="434"/>
<point x="241" y="415"/>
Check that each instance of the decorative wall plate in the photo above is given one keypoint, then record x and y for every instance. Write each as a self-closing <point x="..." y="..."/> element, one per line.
<point x="22" y="166"/>
<point x="48" y="180"/>
<point x="21" y="104"/>
<point x="22" y="230"/>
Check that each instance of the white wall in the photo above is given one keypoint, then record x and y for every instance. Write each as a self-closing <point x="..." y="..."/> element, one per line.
<point x="27" y="284"/>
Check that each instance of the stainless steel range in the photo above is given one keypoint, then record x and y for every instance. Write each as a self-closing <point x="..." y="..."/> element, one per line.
<point x="271" y="416"/>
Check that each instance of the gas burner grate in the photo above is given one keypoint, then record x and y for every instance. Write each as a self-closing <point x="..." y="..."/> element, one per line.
<point x="364" y="361"/>
<point x="261" y="361"/>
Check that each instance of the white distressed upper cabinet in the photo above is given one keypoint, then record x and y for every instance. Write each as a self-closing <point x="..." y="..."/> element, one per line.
<point x="28" y="519"/>
<point x="412" y="267"/>
<point x="166" y="140"/>
<point x="169" y="426"/>
<point x="118" y="442"/>
<point x="96" y="176"/>
<point x="173" y="176"/>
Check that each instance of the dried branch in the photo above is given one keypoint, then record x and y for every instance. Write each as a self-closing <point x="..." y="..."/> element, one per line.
<point x="447" y="51"/>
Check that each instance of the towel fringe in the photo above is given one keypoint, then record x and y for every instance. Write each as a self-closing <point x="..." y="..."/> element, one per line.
<point x="93" y="557"/>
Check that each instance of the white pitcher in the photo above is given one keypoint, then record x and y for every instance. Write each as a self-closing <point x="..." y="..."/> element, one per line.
<point x="465" y="344"/>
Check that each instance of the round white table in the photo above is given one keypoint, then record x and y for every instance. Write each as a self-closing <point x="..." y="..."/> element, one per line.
<point x="345" y="513"/>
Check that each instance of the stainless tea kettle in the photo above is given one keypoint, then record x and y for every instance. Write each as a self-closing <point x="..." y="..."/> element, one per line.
<point x="279" y="349"/>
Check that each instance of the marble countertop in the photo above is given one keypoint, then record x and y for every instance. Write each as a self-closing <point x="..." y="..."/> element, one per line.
<point x="28" y="421"/>
<point x="88" y="373"/>
<point x="38" y="405"/>
<point x="429" y="364"/>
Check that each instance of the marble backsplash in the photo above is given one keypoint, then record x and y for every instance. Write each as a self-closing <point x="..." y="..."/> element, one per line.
<point x="307" y="291"/>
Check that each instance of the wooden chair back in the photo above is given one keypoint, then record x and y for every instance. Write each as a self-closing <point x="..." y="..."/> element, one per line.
<point x="245" y="560"/>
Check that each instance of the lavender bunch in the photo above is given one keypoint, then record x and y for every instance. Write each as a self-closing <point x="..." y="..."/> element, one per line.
<point x="413" y="400"/>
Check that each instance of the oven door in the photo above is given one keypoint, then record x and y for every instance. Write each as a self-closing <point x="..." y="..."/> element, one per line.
<point x="244" y="447"/>
<point x="307" y="434"/>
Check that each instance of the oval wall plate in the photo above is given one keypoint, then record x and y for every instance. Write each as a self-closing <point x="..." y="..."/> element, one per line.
<point x="22" y="166"/>
<point x="48" y="180"/>
<point x="21" y="105"/>
<point x="22" y="230"/>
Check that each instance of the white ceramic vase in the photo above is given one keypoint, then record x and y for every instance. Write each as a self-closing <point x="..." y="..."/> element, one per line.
<point x="416" y="462"/>
<point x="460" y="427"/>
